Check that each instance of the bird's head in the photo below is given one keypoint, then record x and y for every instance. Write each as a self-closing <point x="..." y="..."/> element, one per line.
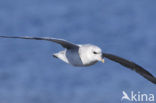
<point x="96" y="53"/>
<point x="93" y="53"/>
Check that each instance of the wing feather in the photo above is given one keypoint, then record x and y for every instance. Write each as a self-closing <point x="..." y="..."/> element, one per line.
<point x="62" y="42"/>
<point x="131" y="65"/>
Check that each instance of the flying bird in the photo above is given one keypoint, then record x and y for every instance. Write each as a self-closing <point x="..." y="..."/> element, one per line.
<point x="87" y="54"/>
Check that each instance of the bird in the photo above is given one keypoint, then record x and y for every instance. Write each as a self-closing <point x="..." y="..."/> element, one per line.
<point x="83" y="55"/>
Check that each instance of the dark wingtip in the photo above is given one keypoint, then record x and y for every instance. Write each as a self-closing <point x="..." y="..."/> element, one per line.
<point x="132" y="66"/>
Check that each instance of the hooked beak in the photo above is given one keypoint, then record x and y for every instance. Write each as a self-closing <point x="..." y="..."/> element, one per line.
<point x="103" y="61"/>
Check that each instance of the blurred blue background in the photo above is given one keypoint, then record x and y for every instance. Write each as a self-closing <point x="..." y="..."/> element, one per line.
<point x="29" y="73"/>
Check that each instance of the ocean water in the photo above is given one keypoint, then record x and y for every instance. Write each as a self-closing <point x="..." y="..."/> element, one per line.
<point x="29" y="73"/>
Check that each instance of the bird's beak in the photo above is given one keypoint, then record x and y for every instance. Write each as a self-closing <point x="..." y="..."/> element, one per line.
<point x="103" y="61"/>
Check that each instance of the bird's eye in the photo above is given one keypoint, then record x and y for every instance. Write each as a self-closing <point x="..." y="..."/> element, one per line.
<point x="95" y="52"/>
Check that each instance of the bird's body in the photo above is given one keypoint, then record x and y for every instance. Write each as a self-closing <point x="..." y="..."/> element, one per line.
<point x="80" y="56"/>
<point x="69" y="56"/>
<point x="88" y="54"/>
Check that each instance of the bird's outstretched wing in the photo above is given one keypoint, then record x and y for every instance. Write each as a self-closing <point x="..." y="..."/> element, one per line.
<point x="132" y="66"/>
<point x="62" y="42"/>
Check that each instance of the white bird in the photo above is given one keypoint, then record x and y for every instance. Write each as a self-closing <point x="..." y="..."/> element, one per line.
<point x="88" y="54"/>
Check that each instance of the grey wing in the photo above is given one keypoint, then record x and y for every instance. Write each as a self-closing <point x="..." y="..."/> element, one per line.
<point x="62" y="42"/>
<point x="132" y="66"/>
